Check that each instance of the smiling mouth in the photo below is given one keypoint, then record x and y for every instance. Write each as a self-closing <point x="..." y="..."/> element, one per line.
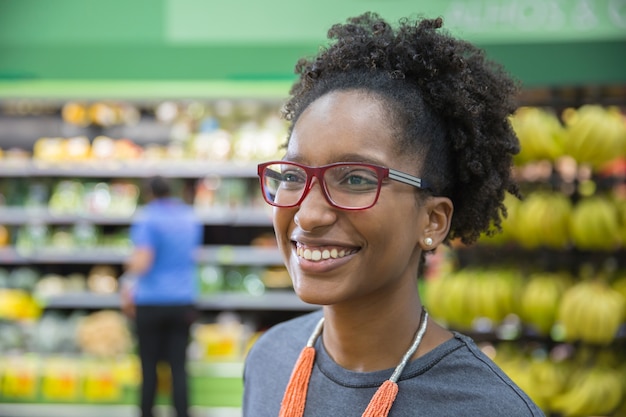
<point x="322" y="254"/>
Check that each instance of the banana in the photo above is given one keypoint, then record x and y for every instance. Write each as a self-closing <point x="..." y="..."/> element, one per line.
<point x="593" y="391"/>
<point x="540" y="300"/>
<point x="591" y="311"/>
<point x="594" y="134"/>
<point x="540" y="133"/>
<point x="433" y="296"/>
<point x="594" y="224"/>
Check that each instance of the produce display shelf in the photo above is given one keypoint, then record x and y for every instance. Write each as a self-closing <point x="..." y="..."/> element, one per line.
<point x="211" y="254"/>
<point x="273" y="300"/>
<point x="127" y="169"/>
<point x="238" y="216"/>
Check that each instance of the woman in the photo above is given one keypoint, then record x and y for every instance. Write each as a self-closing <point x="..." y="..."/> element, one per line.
<point x="399" y="142"/>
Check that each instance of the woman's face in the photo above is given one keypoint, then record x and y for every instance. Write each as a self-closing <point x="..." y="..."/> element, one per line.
<point x="377" y="249"/>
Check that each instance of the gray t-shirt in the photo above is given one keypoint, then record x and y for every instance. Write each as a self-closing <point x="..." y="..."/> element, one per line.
<point x="454" y="379"/>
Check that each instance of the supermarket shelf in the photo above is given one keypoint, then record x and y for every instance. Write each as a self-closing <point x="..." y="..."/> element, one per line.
<point x="269" y="301"/>
<point x="240" y="216"/>
<point x="101" y="255"/>
<point x="76" y="410"/>
<point x="216" y="254"/>
<point x="127" y="169"/>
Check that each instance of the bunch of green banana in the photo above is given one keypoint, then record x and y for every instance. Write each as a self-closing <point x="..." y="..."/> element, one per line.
<point x="594" y="224"/>
<point x="594" y="391"/>
<point x="595" y="135"/>
<point x="591" y="311"/>
<point x="540" y="299"/>
<point x="543" y="219"/>
<point x="540" y="133"/>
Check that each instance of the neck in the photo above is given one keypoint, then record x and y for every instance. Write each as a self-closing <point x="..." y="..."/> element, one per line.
<point x="362" y="339"/>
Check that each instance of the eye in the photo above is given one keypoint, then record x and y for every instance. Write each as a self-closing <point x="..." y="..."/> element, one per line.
<point x="356" y="178"/>
<point x="293" y="176"/>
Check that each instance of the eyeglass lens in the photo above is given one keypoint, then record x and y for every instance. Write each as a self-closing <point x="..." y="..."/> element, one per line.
<point x="346" y="186"/>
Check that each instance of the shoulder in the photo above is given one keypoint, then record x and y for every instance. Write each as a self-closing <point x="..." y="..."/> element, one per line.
<point x="477" y="377"/>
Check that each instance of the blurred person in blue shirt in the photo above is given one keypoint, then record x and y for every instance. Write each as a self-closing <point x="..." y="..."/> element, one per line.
<point x="159" y="290"/>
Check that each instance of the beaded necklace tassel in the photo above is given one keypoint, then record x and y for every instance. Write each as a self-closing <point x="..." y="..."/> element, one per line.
<point x="294" y="399"/>
<point x="381" y="402"/>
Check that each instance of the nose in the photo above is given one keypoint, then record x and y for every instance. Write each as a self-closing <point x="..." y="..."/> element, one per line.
<point x="314" y="210"/>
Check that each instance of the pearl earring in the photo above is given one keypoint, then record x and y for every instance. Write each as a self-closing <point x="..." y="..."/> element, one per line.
<point x="428" y="241"/>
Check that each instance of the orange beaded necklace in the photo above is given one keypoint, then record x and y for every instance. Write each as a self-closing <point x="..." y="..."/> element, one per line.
<point x="294" y="400"/>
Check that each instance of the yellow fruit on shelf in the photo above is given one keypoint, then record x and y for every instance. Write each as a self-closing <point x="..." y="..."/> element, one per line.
<point x="542" y="220"/>
<point x="540" y="300"/>
<point x="594" y="224"/>
<point x="591" y="311"/>
<point x="540" y="133"/>
<point x="593" y="391"/>
<point x="595" y="135"/>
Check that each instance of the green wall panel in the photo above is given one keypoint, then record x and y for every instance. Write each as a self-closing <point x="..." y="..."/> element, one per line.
<point x="548" y="42"/>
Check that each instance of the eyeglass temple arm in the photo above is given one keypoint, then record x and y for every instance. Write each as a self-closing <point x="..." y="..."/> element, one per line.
<point x="406" y="178"/>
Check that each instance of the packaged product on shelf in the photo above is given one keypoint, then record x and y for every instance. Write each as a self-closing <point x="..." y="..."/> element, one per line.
<point x="19" y="377"/>
<point x="100" y="383"/>
<point x="223" y="340"/>
<point x="60" y="379"/>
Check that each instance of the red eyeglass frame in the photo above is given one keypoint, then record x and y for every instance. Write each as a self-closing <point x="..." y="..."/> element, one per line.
<point x="382" y="172"/>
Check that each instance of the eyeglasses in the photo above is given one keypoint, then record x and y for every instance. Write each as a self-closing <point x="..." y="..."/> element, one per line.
<point x="345" y="185"/>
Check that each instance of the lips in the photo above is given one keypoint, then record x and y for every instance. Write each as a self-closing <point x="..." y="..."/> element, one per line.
<point x="322" y="253"/>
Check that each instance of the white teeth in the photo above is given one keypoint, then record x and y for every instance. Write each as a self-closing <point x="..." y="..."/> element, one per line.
<point x="317" y="255"/>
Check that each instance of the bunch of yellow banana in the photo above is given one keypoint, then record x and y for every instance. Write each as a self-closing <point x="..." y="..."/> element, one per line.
<point x="549" y="379"/>
<point x="453" y="300"/>
<point x="492" y="294"/>
<point x="516" y="368"/>
<point x="461" y="297"/>
<point x="540" y="299"/>
<point x="595" y="135"/>
<point x="543" y="219"/>
<point x="537" y="375"/>
<point x="594" y="391"/>
<point x="540" y="133"/>
<point x="591" y="311"/>
<point x="594" y="224"/>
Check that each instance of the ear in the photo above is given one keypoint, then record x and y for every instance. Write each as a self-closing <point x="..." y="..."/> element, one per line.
<point x="439" y="216"/>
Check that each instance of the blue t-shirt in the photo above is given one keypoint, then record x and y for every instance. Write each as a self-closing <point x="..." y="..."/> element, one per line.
<point x="171" y="230"/>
